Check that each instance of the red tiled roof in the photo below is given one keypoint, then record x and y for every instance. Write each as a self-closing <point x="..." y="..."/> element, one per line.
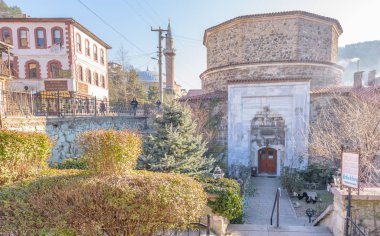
<point x="205" y="96"/>
<point x="194" y="92"/>
<point x="369" y="93"/>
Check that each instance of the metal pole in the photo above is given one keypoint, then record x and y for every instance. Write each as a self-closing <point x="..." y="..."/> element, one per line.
<point x="348" y="211"/>
<point x="278" y="208"/>
<point x="159" y="30"/>
<point x="208" y="225"/>
<point x="95" y="105"/>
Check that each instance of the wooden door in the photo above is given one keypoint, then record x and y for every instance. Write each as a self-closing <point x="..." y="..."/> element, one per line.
<point x="268" y="161"/>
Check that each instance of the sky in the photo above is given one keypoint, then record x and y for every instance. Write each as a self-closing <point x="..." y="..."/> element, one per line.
<point x="189" y="19"/>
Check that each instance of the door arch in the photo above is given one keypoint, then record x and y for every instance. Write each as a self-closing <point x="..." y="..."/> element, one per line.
<point x="267" y="160"/>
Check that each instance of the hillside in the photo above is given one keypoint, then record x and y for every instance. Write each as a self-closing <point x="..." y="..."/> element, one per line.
<point x="369" y="54"/>
<point x="9" y="11"/>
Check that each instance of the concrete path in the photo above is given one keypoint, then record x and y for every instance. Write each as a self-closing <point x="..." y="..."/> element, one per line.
<point x="261" y="204"/>
<point x="263" y="230"/>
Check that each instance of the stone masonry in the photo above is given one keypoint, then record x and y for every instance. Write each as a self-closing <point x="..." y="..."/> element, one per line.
<point x="283" y="45"/>
<point x="64" y="131"/>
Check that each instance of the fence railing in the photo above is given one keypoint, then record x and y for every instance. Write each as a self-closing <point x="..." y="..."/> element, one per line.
<point x="62" y="105"/>
<point x="354" y="229"/>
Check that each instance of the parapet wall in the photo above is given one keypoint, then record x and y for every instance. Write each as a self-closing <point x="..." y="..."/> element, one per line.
<point x="64" y="131"/>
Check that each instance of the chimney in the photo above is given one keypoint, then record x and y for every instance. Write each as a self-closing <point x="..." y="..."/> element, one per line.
<point x="358" y="79"/>
<point x="371" y="78"/>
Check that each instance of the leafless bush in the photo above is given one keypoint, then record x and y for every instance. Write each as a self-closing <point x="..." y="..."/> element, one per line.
<point x="354" y="123"/>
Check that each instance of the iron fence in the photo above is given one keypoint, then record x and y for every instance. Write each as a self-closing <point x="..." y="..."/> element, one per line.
<point x="355" y="229"/>
<point x="67" y="104"/>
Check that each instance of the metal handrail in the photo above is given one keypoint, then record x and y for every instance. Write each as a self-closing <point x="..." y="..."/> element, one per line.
<point x="276" y="202"/>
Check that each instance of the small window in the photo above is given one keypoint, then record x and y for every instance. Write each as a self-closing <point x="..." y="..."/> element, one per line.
<point x="103" y="81"/>
<point x="7" y="35"/>
<point x="88" y="73"/>
<point x="80" y="73"/>
<point x="95" y="53"/>
<point x="54" y="70"/>
<point x="87" y="47"/>
<point x="102" y="56"/>
<point x="24" y="38"/>
<point x="40" y="38"/>
<point x="32" y="70"/>
<point x="57" y="36"/>
<point x="79" y="43"/>
<point x="96" y="79"/>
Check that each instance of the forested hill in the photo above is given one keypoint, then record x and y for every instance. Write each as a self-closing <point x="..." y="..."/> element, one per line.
<point x="369" y="54"/>
<point x="9" y="11"/>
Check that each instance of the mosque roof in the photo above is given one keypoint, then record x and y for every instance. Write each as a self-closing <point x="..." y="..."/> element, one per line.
<point x="148" y="76"/>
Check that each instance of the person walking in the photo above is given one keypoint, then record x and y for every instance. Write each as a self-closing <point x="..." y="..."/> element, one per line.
<point x="134" y="105"/>
<point x="158" y="104"/>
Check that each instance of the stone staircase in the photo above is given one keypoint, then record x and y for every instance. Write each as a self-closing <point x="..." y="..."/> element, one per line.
<point x="267" y="230"/>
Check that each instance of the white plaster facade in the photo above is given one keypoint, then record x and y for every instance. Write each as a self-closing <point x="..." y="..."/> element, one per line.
<point x="291" y="100"/>
<point x="66" y="54"/>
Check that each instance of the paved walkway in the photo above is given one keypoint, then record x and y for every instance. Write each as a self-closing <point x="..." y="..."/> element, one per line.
<point x="261" y="204"/>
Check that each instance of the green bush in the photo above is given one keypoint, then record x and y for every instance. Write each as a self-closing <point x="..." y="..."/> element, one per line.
<point x="141" y="203"/>
<point x="292" y="181"/>
<point x="228" y="202"/>
<point x="22" y="154"/>
<point x="318" y="173"/>
<point x="72" y="163"/>
<point x="110" y="151"/>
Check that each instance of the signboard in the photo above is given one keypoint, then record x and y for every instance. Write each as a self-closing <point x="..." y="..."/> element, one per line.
<point x="350" y="169"/>
<point x="56" y="85"/>
<point x="82" y="88"/>
<point x="62" y="94"/>
<point x="64" y="73"/>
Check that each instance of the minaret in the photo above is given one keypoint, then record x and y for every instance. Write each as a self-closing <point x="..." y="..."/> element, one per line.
<point x="169" y="53"/>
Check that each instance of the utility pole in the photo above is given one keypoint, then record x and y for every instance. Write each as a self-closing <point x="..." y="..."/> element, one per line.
<point x="159" y="53"/>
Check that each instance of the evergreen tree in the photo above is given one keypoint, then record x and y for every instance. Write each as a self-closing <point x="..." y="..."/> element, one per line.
<point x="174" y="147"/>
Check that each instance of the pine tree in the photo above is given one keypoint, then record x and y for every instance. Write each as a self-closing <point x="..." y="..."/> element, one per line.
<point x="174" y="147"/>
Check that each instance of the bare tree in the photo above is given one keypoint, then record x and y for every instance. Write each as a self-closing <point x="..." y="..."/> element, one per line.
<point x="353" y="122"/>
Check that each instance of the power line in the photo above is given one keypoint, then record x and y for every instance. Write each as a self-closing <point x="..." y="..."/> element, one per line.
<point x="113" y="28"/>
<point x="154" y="11"/>
<point x="137" y="13"/>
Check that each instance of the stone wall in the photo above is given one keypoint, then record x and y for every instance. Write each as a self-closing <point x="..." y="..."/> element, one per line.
<point x="273" y="46"/>
<point x="365" y="209"/>
<point x="321" y="75"/>
<point x="64" y="131"/>
<point x="271" y="39"/>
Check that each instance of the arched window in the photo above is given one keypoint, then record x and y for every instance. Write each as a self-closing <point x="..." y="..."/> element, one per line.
<point x="95" y="52"/>
<point x="87" y="47"/>
<point x="80" y="73"/>
<point x="54" y="68"/>
<point x="89" y="77"/>
<point x="96" y="78"/>
<point x="6" y="35"/>
<point x="40" y="37"/>
<point x="102" y="56"/>
<point x="103" y="81"/>
<point x="78" y="43"/>
<point x="32" y="70"/>
<point x="57" y="36"/>
<point x="23" y="37"/>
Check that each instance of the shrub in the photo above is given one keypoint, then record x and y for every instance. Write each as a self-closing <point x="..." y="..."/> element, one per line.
<point x="291" y="181"/>
<point x="72" y="163"/>
<point x="110" y="151"/>
<point x="228" y="202"/>
<point x="22" y="154"/>
<point x="318" y="173"/>
<point x="137" y="204"/>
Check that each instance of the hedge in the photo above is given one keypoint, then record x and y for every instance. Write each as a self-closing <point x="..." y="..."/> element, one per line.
<point x="142" y="203"/>
<point x="228" y="202"/>
<point x="22" y="154"/>
<point x="110" y="151"/>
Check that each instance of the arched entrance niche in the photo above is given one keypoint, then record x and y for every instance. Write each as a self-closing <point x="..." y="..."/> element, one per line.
<point x="267" y="141"/>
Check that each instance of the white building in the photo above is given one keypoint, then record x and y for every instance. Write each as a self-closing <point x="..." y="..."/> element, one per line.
<point x="56" y="54"/>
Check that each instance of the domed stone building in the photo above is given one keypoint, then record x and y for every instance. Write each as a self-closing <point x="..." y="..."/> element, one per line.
<point x="263" y="67"/>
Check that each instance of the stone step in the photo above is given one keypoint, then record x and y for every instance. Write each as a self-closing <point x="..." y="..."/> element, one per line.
<point x="267" y="230"/>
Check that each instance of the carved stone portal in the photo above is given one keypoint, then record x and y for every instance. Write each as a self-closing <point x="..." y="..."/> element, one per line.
<point x="267" y="128"/>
